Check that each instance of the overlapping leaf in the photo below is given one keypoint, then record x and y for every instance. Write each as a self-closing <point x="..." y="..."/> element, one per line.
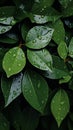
<point x="41" y="59"/>
<point x="39" y="37"/>
<point x="33" y="91"/>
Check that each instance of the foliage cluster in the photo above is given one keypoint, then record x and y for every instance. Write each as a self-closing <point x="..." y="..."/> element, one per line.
<point x="36" y="62"/>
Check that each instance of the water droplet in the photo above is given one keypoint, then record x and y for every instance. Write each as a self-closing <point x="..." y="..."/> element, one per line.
<point x="59" y="109"/>
<point x="14" y="93"/>
<point x="14" y="55"/>
<point x="30" y="91"/>
<point x="38" y="85"/>
<point x="34" y="41"/>
<point x="42" y="16"/>
<point x="61" y="118"/>
<point x="19" y="64"/>
<point x="3" y="30"/>
<point x="10" y="52"/>
<point x="62" y="103"/>
<point x="9" y="69"/>
<point x="4" y="124"/>
<point x="42" y="102"/>
<point x="40" y="37"/>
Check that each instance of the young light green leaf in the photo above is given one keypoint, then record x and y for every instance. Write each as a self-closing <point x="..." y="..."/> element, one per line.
<point x="62" y="50"/>
<point x="65" y="79"/>
<point x="71" y="48"/>
<point x="4" y="123"/>
<point x="39" y="37"/>
<point x="60" y="106"/>
<point x="14" y="61"/>
<point x="33" y="91"/>
<point x="11" y="88"/>
<point x="41" y="59"/>
<point x="4" y="29"/>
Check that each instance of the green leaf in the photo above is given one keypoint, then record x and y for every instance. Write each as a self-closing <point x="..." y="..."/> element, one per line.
<point x="60" y="106"/>
<point x="33" y="91"/>
<point x="71" y="48"/>
<point x="59" y="31"/>
<point x="43" y="4"/>
<point x="14" y="61"/>
<point x="11" y="88"/>
<point x="4" y="123"/>
<point x="39" y="37"/>
<point x="67" y="12"/>
<point x="2" y="53"/>
<point x="59" y="69"/>
<point x="64" y="3"/>
<point x="41" y="59"/>
<point x="7" y="20"/>
<point x="62" y="50"/>
<point x="41" y="16"/>
<point x="7" y="11"/>
<point x="33" y="117"/>
<point x="65" y="79"/>
<point x="24" y="30"/>
<point x="4" y="29"/>
<point x="9" y="38"/>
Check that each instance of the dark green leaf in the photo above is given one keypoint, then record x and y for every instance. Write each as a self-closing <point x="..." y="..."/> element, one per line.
<point x="60" y="106"/>
<point x="14" y="61"/>
<point x="67" y="12"/>
<point x="39" y="37"/>
<point x="33" y="91"/>
<point x="7" y="11"/>
<point x="59" y="69"/>
<point x="11" y="88"/>
<point x="41" y="59"/>
<point x="9" y="38"/>
<point x="4" y="123"/>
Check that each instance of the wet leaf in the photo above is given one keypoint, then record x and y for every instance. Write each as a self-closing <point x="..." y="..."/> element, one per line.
<point x="59" y="31"/>
<point x="60" y="106"/>
<point x="8" y="21"/>
<point x="62" y="50"/>
<point x="59" y="69"/>
<point x="41" y="59"/>
<point x="71" y="48"/>
<point x="14" y="61"/>
<point x="4" y="29"/>
<point x="9" y="38"/>
<point x="11" y="88"/>
<point x="39" y="37"/>
<point x="65" y="79"/>
<point x="33" y="91"/>
<point x="41" y="16"/>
